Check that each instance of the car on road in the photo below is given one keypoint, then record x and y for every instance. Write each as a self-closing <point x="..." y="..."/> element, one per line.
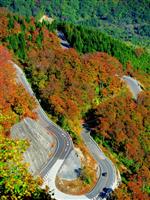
<point x="107" y="190"/>
<point x="105" y="193"/>
<point x="104" y="174"/>
<point x="102" y="195"/>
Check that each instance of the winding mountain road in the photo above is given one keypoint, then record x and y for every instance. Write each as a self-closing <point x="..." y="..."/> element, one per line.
<point x="64" y="141"/>
<point x="64" y="147"/>
<point x="64" y="43"/>
<point x="108" y="179"/>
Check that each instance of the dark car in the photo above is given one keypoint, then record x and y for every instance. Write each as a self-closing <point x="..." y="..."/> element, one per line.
<point x="107" y="190"/>
<point x="104" y="174"/>
<point x="102" y="195"/>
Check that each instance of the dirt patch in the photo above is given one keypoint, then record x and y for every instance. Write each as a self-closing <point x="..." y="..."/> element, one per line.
<point x="87" y="175"/>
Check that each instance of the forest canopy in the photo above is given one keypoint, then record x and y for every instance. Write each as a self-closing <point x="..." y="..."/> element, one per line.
<point x="87" y="40"/>
<point x="126" y="19"/>
<point x="71" y="86"/>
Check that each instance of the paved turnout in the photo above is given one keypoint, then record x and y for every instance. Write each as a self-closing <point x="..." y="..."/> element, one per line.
<point x="42" y="143"/>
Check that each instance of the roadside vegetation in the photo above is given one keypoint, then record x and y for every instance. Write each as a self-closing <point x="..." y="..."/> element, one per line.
<point x="71" y="85"/>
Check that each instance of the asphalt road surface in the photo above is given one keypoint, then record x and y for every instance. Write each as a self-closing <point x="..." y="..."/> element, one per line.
<point x="108" y="179"/>
<point x="65" y="146"/>
<point x="64" y="43"/>
<point x="133" y="85"/>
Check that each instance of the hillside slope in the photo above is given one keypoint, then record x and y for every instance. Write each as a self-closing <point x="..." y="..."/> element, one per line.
<point x="87" y="40"/>
<point x="74" y="87"/>
<point x="126" y="19"/>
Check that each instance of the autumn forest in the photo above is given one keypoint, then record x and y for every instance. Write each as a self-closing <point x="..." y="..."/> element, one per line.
<point x="74" y="85"/>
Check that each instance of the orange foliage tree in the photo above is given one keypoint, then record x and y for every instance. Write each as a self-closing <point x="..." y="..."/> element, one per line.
<point x="15" y="102"/>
